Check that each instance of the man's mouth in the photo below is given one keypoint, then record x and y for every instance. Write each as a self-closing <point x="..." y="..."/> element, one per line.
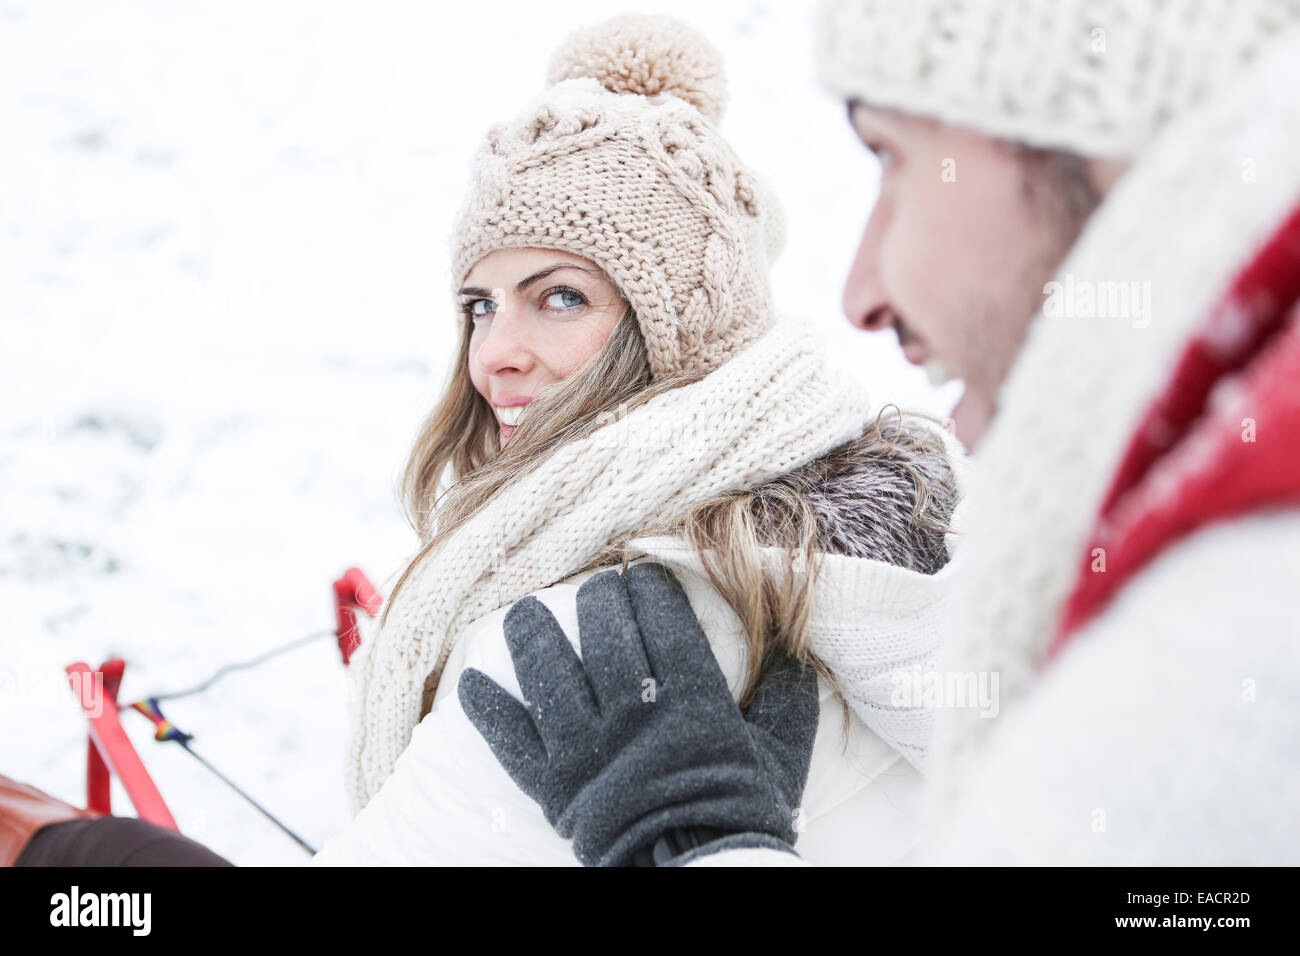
<point x="916" y="351"/>
<point x="937" y="371"/>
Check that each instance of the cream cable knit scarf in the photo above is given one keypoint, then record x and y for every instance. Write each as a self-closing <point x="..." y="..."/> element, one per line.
<point x="772" y="407"/>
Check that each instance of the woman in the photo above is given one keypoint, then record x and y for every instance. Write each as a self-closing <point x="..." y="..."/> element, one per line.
<point x="623" y="393"/>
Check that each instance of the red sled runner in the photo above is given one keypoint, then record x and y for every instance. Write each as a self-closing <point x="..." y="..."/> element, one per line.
<point x="110" y="751"/>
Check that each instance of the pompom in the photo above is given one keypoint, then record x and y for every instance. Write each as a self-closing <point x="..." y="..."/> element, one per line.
<point x="646" y="55"/>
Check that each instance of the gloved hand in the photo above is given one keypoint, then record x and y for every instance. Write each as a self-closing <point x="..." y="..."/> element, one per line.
<point x="642" y="736"/>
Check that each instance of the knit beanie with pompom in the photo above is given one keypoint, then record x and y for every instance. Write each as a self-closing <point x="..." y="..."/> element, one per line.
<point x="619" y="161"/>
<point x="1093" y="77"/>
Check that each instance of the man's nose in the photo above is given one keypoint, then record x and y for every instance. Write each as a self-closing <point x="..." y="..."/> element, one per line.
<point x="865" y="301"/>
<point x="505" y="348"/>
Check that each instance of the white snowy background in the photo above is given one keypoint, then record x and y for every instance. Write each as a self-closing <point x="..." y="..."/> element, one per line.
<point x="224" y="310"/>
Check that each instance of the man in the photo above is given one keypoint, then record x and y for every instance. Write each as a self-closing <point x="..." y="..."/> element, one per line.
<point x="1090" y="214"/>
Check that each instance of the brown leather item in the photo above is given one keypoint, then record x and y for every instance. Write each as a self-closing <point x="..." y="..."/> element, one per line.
<point x="24" y="810"/>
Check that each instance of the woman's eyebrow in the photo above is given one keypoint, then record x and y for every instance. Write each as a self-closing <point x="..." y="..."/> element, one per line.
<point x="543" y="273"/>
<point x="537" y="276"/>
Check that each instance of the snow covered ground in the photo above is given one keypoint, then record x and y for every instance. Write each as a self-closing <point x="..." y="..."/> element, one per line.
<point x="224" y="310"/>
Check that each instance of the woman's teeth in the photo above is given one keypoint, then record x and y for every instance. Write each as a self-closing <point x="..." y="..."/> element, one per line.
<point x="937" y="371"/>
<point x="509" y="416"/>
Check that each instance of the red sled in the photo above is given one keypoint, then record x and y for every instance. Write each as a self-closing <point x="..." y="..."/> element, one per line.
<point x="110" y="750"/>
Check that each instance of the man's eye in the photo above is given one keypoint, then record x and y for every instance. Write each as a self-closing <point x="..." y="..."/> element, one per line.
<point x="883" y="154"/>
<point x="565" y="299"/>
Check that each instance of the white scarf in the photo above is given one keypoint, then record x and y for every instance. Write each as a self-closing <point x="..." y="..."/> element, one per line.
<point x="768" y="410"/>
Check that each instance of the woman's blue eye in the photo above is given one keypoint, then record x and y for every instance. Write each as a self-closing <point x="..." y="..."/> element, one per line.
<point x="482" y="307"/>
<point x="565" y="299"/>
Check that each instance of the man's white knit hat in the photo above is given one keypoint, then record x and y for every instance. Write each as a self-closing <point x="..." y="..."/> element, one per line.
<point x="1094" y="77"/>
<point x="619" y="161"/>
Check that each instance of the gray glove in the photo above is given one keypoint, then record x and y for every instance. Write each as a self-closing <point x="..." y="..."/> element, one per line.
<point x="641" y="738"/>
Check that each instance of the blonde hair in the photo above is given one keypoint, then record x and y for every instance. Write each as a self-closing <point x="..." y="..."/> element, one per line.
<point x="772" y="600"/>
<point x="887" y="495"/>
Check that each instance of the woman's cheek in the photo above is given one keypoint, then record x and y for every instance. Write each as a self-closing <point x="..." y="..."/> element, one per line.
<point x="582" y="342"/>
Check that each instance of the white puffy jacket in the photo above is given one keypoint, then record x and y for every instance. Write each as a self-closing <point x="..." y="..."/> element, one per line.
<point x="449" y="802"/>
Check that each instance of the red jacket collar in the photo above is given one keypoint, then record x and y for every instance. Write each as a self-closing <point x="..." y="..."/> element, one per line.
<point x="1221" y="440"/>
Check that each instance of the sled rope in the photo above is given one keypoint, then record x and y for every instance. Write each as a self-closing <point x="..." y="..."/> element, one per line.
<point x="166" y="730"/>
<point x="110" y="750"/>
<point x="242" y="665"/>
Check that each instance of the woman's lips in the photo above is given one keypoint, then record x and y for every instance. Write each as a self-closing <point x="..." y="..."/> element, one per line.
<point x="509" y="415"/>
<point x="510" y="409"/>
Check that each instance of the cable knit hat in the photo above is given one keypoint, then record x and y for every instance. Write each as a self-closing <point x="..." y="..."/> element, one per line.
<point x="619" y="161"/>
<point x="1095" y="77"/>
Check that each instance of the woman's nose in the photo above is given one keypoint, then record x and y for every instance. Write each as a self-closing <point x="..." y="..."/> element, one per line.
<point x="505" y="348"/>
